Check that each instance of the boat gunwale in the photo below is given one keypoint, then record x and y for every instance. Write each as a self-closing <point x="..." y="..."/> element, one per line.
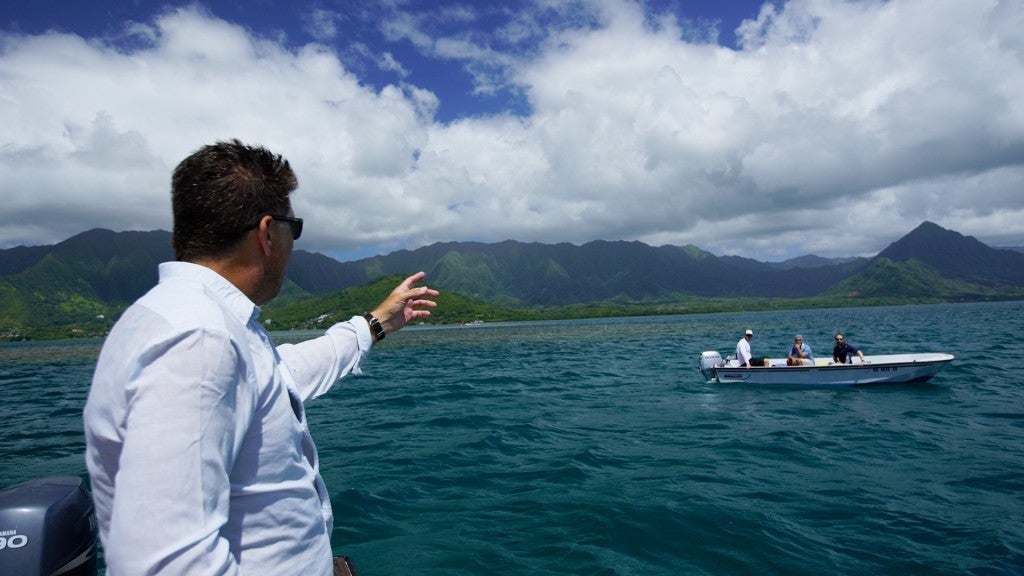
<point x="936" y="361"/>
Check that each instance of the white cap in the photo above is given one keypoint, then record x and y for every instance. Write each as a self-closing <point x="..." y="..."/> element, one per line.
<point x="748" y="333"/>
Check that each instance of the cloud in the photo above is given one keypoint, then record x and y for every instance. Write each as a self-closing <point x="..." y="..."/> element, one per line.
<point x="834" y="129"/>
<point x="321" y="24"/>
<point x="830" y="108"/>
<point x="93" y="130"/>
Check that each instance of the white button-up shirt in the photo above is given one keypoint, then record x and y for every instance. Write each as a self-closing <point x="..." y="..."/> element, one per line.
<point x="197" y="447"/>
<point x="743" y="354"/>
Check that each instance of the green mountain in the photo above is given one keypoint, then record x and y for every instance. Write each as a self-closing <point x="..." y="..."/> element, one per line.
<point x="324" y="310"/>
<point x="79" y="286"/>
<point x="934" y="264"/>
<point x="957" y="257"/>
<point x="76" y="287"/>
<point x="518" y="274"/>
<point x="910" y="279"/>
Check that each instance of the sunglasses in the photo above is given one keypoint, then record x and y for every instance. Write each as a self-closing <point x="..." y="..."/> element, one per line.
<point x="294" y="223"/>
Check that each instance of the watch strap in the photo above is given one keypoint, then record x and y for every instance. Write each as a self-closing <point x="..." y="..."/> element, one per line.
<point x="375" y="327"/>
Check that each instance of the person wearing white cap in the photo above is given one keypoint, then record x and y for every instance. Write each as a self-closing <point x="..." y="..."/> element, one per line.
<point x="743" y="354"/>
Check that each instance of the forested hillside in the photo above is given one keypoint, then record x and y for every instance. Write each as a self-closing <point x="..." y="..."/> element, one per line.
<point x="78" y="287"/>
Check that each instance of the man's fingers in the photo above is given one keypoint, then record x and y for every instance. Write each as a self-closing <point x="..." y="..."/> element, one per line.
<point x="408" y="282"/>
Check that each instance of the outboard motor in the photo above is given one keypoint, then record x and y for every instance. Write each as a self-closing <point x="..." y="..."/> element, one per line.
<point x="709" y="360"/>
<point x="47" y="528"/>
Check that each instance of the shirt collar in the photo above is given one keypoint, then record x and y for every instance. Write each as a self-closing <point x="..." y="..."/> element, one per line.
<point x="233" y="298"/>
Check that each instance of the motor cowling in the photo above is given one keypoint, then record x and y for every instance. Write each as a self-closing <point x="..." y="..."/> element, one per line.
<point x="708" y="360"/>
<point x="48" y="527"/>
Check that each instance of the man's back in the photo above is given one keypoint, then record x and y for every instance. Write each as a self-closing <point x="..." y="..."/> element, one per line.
<point x="192" y="419"/>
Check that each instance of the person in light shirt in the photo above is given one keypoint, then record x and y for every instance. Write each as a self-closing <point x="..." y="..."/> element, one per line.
<point x="743" y="354"/>
<point x="197" y="446"/>
<point x="800" y="353"/>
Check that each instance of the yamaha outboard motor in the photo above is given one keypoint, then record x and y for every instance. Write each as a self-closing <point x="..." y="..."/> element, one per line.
<point x="47" y="528"/>
<point x="708" y="360"/>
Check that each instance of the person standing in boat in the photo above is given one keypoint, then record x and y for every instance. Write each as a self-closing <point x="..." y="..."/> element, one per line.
<point x="843" y="351"/>
<point x="800" y="353"/>
<point x="743" y="354"/>
<point x="197" y="445"/>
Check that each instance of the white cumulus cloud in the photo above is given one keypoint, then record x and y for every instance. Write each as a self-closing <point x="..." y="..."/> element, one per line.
<point x="835" y="128"/>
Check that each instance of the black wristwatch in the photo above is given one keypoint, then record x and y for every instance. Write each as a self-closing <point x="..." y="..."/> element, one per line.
<point x="375" y="328"/>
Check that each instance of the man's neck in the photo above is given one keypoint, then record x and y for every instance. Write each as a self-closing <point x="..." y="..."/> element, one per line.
<point x="240" y="272"/>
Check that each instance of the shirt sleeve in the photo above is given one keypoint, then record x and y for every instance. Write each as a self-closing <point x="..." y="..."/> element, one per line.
<point x="186" y="416"/>
<point x="315" y="365"/>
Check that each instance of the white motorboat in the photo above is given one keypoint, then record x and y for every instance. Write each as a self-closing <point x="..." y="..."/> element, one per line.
<point x="881" y="369"/>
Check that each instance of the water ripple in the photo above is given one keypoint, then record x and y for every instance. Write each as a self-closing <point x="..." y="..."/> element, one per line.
<point x="594" y="447"/>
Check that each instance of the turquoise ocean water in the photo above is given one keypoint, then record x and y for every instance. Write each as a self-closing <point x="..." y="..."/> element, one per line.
<point x="595" y="447"/>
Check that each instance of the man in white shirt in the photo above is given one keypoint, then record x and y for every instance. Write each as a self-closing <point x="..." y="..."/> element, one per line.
<point x="197" y="446"/>
<point x="743" y="354"/>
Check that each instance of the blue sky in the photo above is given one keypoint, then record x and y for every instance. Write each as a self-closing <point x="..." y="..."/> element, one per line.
<point x="363" y="32"/>
<point x="764" y="129"/>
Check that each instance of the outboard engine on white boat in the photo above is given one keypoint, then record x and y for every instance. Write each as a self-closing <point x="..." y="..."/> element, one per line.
<point x="47" y="527"/>
<point x="708" y="360"/>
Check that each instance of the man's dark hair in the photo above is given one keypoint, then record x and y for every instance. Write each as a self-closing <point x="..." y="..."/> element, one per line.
<point x="221" y="191"/>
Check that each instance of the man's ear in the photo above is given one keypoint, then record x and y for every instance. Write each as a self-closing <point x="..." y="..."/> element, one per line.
<point x="264" y="234"/>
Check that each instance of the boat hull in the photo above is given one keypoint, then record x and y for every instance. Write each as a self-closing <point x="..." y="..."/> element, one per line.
<point x="885" y="369"/>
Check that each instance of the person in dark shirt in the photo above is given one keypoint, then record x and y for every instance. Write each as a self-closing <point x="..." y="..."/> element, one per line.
<point x="843" y="351"/>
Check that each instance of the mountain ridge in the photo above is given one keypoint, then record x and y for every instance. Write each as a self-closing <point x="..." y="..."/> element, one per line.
<point x="88" y="279"/>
